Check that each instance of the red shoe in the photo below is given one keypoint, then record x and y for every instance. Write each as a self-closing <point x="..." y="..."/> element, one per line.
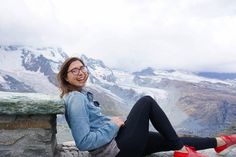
<point x="230" y="143"/>
<point x="191" y="152"/>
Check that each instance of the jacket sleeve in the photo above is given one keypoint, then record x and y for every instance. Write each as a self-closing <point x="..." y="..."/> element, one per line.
<point x="86" y="139"/>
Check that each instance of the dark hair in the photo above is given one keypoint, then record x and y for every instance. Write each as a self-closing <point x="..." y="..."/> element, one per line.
<point x="65" y="86"/>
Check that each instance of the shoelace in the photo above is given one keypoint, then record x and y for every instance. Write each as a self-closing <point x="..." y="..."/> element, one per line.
<point x="227" y="140"/>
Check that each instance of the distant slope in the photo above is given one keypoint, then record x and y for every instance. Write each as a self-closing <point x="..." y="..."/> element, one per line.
<point x="220" y="76"/>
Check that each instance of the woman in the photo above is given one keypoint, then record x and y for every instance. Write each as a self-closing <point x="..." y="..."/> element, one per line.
<point x="110" y="137"/>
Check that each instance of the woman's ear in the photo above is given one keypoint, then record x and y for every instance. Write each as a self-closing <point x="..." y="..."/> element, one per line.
<point x="66" y="79"/>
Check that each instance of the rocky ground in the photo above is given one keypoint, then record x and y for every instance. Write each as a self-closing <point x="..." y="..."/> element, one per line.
<point x="68" y="149"/>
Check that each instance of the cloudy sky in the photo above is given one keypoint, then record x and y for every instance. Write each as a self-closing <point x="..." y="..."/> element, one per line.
<point x="196" y="35"/>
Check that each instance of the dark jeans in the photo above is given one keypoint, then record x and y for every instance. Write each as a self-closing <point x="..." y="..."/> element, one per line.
<point x="134" y="139"/>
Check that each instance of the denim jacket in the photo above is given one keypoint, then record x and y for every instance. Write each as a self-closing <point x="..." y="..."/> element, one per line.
<point x="90" y="128"/>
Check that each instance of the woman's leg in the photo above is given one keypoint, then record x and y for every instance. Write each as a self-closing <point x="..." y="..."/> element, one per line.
<point x="133" y="137"/>
<point x="157" y="143"/>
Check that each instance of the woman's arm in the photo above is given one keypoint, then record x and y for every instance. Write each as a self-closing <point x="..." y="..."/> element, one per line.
<point x="78" y="115"/>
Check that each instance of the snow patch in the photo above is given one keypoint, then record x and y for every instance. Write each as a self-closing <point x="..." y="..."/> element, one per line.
<point x="2" y="80"/>
<point x="182" y="76"/>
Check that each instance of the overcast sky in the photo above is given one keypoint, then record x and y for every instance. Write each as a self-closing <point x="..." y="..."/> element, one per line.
<point x="195" y="35"/>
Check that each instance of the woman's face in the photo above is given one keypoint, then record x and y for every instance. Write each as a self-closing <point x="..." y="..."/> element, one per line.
<point x="77" y="74"/>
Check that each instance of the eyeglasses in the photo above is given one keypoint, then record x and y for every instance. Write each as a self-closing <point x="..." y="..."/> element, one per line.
<point x="75" y="71"/>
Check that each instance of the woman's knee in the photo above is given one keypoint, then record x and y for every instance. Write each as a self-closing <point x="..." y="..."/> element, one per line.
<point x="148" y="98"/>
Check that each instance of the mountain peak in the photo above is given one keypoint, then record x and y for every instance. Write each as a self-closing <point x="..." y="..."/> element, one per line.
<point x="92" y="62"/>
<point x="149" y="71"/>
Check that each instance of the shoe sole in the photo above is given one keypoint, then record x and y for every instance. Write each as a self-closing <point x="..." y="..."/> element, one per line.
<point x="226" y="151"/>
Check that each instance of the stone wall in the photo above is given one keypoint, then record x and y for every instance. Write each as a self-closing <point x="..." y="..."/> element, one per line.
<point x="28" y="124"/>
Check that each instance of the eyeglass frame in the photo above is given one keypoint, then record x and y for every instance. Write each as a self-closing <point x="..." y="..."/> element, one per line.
<point x="80" y="70"/>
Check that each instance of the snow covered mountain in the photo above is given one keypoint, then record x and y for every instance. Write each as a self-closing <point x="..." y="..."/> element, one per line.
<point x="195" y="104"/>
<point x="28" y="69"/>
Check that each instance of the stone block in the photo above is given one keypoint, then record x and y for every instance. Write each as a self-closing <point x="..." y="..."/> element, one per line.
<point x="27" y="135"/>
<point x="27" y="142"/>
<point x="10" y="122"/>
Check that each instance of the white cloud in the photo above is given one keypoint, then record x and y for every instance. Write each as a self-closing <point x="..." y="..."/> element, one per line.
<point x="192" y="35"/>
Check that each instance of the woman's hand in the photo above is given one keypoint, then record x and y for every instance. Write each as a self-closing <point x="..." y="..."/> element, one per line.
<point x="118" y="121"/>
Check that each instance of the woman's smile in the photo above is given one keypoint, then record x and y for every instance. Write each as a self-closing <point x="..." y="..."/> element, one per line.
<point x="81" y="79"/>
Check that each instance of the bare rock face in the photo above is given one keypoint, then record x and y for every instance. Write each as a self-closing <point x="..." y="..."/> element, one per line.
<point x="214" y="109"/>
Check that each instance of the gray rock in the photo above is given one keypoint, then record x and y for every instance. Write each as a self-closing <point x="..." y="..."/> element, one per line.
<point x="35" y="142"/>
